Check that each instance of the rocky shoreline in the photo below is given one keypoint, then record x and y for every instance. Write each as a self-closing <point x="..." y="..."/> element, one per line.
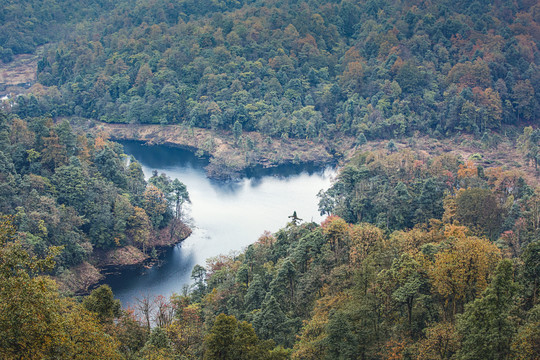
<point x="81" y="279"/>
<point x="229" y="158"/>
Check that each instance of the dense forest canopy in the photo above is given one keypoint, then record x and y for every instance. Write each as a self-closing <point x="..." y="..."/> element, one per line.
<point x="435" y="258"/>
<point x="81" y="193"/>
<point x="431" y="257"/>
<point x="300" y="69"/>
<point x="26" y="24"/>
<point x="423" y="255"/>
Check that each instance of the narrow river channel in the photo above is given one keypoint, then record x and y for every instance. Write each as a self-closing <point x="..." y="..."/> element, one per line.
<point x="225" y="216"/>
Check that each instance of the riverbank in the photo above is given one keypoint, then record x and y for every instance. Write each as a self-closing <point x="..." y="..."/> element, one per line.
<point x="229" y="158"/>
<point x="84" y="277"/>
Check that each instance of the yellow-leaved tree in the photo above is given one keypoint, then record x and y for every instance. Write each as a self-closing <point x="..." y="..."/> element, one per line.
<point x="36" y="322"/>
<point x="460" y="272"/>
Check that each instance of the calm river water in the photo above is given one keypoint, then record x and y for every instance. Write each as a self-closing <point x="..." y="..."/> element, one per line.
<point x="225" y="216"/>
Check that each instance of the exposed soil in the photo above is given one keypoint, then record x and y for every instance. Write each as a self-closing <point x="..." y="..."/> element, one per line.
<point x="124" y="256"/>
<point x="229" y="158"/>
<point x="20" y="74"/>
<point x="86" y="276"/>
<point x="79" y="279"/>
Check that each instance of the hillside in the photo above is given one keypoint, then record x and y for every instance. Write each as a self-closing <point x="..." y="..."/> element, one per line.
<point x="430" y="249"/>
<point x="82" y="194"/>
<point x="300" y="70"/>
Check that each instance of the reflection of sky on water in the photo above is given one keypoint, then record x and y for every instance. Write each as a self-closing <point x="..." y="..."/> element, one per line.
<point x="225" y="216"/>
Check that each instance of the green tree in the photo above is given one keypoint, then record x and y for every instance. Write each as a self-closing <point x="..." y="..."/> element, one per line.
<point x="101" y="301"/>
<point x="487" y="326"/>
<point x="237" y="130"/>
<point x="271" y="323"/>
<point x="35" y="321"/>
<point x="525" y="344"/>
<point x="255" y="294"/>
<point x="155" y="205"/>
<point x="531" y="271"/>
<point x="430" y="202"/>
<point x="198" y="275"/>
<point x="478" y="209"/>
<point x="410" y="286"/>
<point x="71" y="184"/>
<point x="180" y="196"/>
<point x="229" y="339"/>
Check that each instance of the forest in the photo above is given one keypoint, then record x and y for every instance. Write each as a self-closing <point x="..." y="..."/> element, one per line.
<point x="82" y="194"/>
<point x="25" y="25"/>
<point x="422" y="258"/>
<point x="315" y="69"/>
<point x="425" y="255"/>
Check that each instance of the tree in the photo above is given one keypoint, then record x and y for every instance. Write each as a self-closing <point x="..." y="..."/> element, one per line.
<point x="145" y="307"/>
<point x="101" y="301"/>
<point x="180" y="196"/>
<point x="361" y="139"/>
<point x="391" y="146"/>
<point x="53" y="154"/>
<point x="525" y="344"/>
<point x="478" y="209"/>
<point x="399" y="210"/>
<point x="342" y="341"/>
<point x="136" y="182"/>
<point x="523" y="97"/>
<point x="271" y="322"/>
<point x="139" y="227"/>
<point x="294" y="218"/>
<point x="409" y="285"/>
<point x="337" y="233"/>
<point x="158" y="346"/>
<point x="35" y="321"/>
<point x="441" y="342"/>
<point x="110" y="165"/>
<point x="531" y="271"/>
<point x="255" y="294"/>
<point x="122" y="212"/>
<point x="198" y="275"/>
<point x="529" y="145"/>
<point x="229" y="339"/>
<point x="461" y="272"/>
<point x="285" y="280"/>
<point x="71" y="184"/>
<point x="410" y="77"/>
<point x="67" y="138"/>
<point x="131" y="334"/>
<point x="353" y="329"/>
<point x="486" y="325"/>
<point x="155" y="205"/>
<point x="430" y="203"/>
<point x="237" y="130"/>
<point x="186" y="330"/>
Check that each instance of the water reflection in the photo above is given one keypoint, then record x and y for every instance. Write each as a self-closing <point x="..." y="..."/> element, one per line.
<point x="225" y="216"/>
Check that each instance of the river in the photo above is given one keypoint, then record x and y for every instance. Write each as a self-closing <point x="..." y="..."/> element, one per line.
<point x="225" y="216"/>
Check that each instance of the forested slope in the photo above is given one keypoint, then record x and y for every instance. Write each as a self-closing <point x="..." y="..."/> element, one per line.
<point x="422" y="256"/>
<point x="311" y="69"/>
<point x="26" y="24"/>
<point x="83" y="194"/>
<point x="434" y="258"/>
<point x="443" y="264"/>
